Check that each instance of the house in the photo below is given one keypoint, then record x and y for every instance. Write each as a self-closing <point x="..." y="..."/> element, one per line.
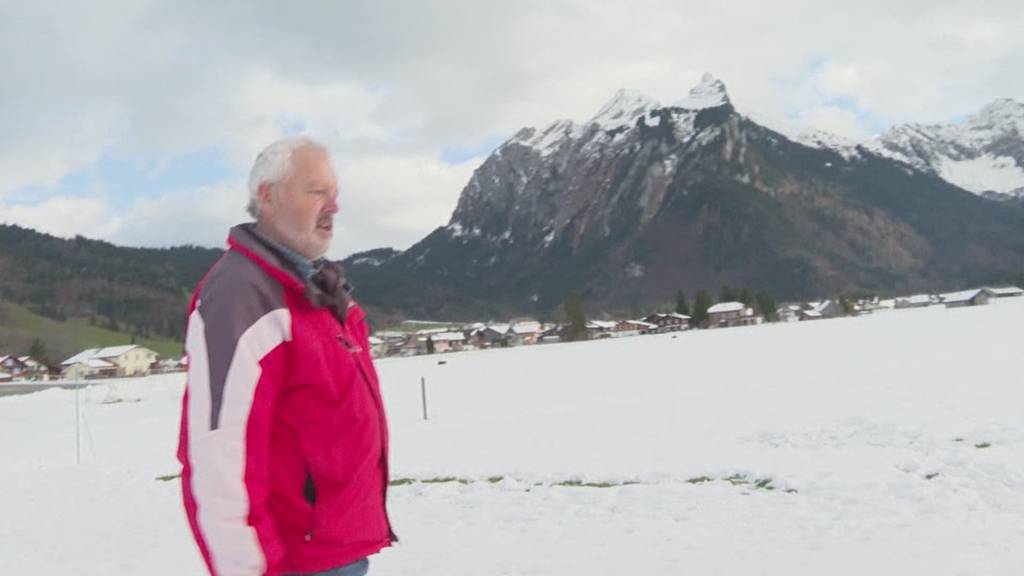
<point x="825" y="309"/>
<point x="393" y="342"/>
<point x="599" y="329"/>
<point x="168" y="365"/>
<point x="5" y="377"/>
<point x="14" y="367"/>
<point x="491" y="336"/>
<point x="1007" y="292"/>
<point x="88" y="368"/>
<point x="916" y="301"/>
<point x="36" y="369"/>
<point x="378" y="347"/>
<point x="668" y="322"/>
<point x="788" y="313"/>
<point x="524" y="332"/>
<point x="974" y="297"/>
<point x="130" y="360"/>
<point x="633" y="328"/>
<point x="728" y="314"/>
<point x="550" y="335"/>
<point x="448" y="341"/>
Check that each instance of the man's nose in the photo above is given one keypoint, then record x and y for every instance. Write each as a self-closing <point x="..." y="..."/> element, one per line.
<point x="332" y="204"/>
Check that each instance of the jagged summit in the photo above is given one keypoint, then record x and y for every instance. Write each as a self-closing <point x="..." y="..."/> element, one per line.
<point x="623" y="109"/>
<point x="710" y="93"/>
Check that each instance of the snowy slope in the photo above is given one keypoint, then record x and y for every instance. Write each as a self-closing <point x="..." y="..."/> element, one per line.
<point x="898" y="437"/>
<point x="983" y="154"/>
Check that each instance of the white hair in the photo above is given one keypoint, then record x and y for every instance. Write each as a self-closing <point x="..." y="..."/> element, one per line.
<point x="274" y="165"/>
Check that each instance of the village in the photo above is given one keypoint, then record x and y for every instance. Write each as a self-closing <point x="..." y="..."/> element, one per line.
<point x="131" y="360"/>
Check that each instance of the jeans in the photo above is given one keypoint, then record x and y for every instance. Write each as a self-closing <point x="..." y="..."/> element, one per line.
<point x="357" y="568"/>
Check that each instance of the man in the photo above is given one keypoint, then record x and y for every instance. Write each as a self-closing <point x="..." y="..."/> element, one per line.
<point x="284" y="441"/>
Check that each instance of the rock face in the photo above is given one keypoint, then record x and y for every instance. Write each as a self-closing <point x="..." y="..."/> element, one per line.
<point x="645" y="199"/>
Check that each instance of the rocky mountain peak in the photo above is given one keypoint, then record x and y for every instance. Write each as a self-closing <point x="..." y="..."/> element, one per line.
<point x="623" y="109"/>
<point x="709" y="93"/>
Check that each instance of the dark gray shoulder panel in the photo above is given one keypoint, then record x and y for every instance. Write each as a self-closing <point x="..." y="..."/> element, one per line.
<point x="236" y="293"/>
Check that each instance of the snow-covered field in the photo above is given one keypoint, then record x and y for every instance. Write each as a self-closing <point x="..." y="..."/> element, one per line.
<point x="891" y="444"/>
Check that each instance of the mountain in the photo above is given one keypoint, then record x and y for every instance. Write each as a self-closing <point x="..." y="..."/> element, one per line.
<point x="645" y="199"/>
<point x="133" y="291"/>
<point x="983" y="154"/>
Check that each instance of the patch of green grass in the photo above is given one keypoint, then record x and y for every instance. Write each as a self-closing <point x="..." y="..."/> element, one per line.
<point x="931" y="476"/>
<point x="444" y="480"/>
<point x="737" y="480"/>
<point x="21" y="324"/>
<point x="983" y="445"/>
<point x="168" y="477"/>
<point x="757" y="483"/>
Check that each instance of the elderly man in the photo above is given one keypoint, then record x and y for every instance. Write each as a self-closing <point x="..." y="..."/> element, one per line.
<point x="284" y="442"/>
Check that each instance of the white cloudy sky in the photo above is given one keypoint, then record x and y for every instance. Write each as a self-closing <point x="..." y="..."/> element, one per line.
<point x="136" y="121"/>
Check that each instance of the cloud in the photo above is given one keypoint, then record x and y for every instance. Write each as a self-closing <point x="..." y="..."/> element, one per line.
<point x="392" y="86"/>
<point x="66" y="216"/>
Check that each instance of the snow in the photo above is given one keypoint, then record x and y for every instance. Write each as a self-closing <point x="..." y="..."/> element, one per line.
<point x="961" y="296"/>
<point x="623" y="110"/>
<point x="1007" y="291"/>
<point x="726" y="307"/>
<point x="449" y="337"/>
<point x="961" y="153"/>
<point x="813" y="138"/>
<point x="984" y="173"/>
<point x="709" y="93"/>
<point x="550" y="139"/>
<point x="98" y="353"/>
<point x="899" y="436"/>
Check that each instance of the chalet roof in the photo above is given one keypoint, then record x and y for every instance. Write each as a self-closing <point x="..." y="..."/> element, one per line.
<point x="1007" y="291"/>
<point x="726" y="307"/>
<point x="640" y="323"/>
<point x="963" y="295"/>
<point x="100" y="353"/>
<point x="449" y="337"/>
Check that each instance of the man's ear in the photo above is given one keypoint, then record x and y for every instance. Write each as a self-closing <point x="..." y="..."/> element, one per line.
<point x="265" y="195"/>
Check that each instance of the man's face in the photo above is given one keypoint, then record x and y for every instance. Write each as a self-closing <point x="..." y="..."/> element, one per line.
<point x="299" y="212"/>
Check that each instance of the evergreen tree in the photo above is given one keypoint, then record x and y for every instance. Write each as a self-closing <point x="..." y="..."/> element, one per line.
<point x="846" y="303"/>
<point x="701" y="303"/>
<point x="682" y="307"/>
<point x="38" y="352"/>
<point x="747" y="297"/>
<point x="766" y="307"/>
<point x="576" y="319"/>
<point x="430" y="344"/>
<point x="727" y="294"/>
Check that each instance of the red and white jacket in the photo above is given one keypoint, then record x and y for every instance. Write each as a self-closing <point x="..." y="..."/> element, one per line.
<point x="284" y="441"/>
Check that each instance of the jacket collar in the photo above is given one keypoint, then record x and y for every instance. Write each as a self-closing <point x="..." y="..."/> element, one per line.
<point x="325" y="289"/>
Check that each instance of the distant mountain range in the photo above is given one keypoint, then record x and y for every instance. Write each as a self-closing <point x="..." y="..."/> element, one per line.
<point x="645" y="199"/>
<point x="640" y="201"/>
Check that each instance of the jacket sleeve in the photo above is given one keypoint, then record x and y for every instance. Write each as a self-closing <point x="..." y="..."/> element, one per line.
<point x="236" y="358"/>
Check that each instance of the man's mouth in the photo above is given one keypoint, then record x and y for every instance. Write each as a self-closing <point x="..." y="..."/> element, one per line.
<point x="325" y="224"/>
